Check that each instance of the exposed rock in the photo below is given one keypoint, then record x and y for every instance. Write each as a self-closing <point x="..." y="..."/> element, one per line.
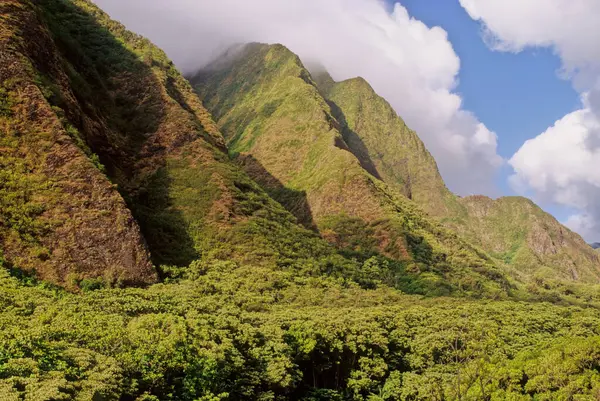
<point x="60" y="217"/>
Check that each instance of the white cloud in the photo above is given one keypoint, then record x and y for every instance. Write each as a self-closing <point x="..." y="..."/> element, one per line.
<point x="408" y="63"/>
<point x="558" y="161"/>
<point x="570" y="27"/>
<point x="561" y="164"/>
<point x="585" y="224"/>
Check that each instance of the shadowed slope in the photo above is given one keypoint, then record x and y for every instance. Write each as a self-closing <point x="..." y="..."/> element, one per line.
<point x="87" y="100"/>
<point x="59" y="214"/>
<point x="162" y="148"/>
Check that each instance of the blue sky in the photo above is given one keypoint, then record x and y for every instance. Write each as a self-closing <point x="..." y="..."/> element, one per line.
<point x="518" y="96"/>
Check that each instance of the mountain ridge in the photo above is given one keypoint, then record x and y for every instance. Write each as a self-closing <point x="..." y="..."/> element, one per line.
<point x="143" y="141"/>
<point x="390" y="152"/>
<point x="98" y="129"/>
<point x="546" y="248"/>
<point x="269" y="107"/>
<point x="56" y="202"/>
<point x="402" y="160"/>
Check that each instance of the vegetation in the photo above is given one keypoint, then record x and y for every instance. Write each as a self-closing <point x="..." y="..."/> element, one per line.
<point x="386" y="147"/>
<point x="529" y="241"/>
<point x="19" y="187"/>
<point x="55" y="201"/>
<point x="316" y="279"/>
<point x="164" y="152"/>
<point x="246" y="332"/>
<point x="290" y="141"/>
<point x="514" y="231"/>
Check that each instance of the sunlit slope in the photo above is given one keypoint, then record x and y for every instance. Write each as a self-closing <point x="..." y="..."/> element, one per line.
<point x="283" y="131"/>
<point x="513" y="230"/>
<point x="529" y="240"/>
<point x="387" y="147"/>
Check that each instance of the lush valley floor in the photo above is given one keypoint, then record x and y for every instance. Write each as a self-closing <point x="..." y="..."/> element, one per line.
<point x="250" y="333"/>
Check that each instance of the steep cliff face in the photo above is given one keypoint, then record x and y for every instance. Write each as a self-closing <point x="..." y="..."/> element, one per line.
<point x="99" y="128"/>
<point x="163" y="150"/>
<point x="95" y="121"/>
<point x="386" y="147"/>
<point x="272" y="114"/>
<point x="128" y="104"/>
<point x="290" y="140"/>
<point x="60" y="216"/>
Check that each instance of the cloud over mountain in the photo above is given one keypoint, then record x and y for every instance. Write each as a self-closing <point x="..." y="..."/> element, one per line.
<point x="408" y="63"/>
<point x="560" y="164"/>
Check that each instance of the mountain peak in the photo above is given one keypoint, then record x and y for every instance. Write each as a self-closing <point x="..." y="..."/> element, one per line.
<point x="358" y="81"/>
<point x="386" y="146"/>
<point x="298" y="143"/>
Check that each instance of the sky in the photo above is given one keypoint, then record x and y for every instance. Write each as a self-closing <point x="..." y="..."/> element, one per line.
<point x="504" y="93"/>
<point x="517" y="95"/>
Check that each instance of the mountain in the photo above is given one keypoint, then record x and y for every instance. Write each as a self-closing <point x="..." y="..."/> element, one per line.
<point x="135" y="124"/>
<point x="385" y="145"/>
<point x="140" y="261"/>
<point x="530" y="241"/>
<point x="513" y="230"/>
<point x="262" y="98"/>
<point x="291" y="141"/>
<point x="59" y="214"/>
<point x="595" y="245"/>
<point x="111" y="164"/>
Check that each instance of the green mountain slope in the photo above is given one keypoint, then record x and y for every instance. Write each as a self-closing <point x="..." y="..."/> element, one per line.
<point x="387" y="147"/>
<point x="529" y="240"/>
<point x="513" y="230"/>
<point x="289" y="140"/>
<point x="90" y="108"/>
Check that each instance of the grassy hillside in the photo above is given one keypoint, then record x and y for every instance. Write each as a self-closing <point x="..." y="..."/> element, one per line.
<point x="387" y="147"/>
<point x="89" y="108"/>
<point x="513" y="230"/>
<point x="113" y="103"/>
<point x="137" y="125"/>
<point x="533" y="243"/>
<point x="288" y="138"/>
